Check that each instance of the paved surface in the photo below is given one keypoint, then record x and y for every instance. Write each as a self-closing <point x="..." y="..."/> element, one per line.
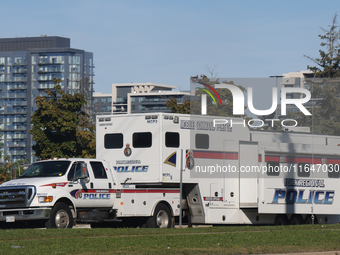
<point x="82" y="226"/>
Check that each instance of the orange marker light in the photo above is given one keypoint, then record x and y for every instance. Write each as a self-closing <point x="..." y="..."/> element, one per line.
<point x="54" y="185"/>
<point x="48" y="199"/>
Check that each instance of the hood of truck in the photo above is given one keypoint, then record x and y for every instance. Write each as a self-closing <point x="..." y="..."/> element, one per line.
<point x="38" y="182"/>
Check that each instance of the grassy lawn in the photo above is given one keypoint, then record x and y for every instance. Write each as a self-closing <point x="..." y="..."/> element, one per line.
<point x="226" y="240"/>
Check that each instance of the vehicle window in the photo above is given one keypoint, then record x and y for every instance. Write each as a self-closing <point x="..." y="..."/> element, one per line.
<point x="273" y="168"/>
<point x="142" y="140"/>
<point x="303" y="169"/>
<point x="46" y="169"/>
<point x="202" y="141"/>
<point x="98" y="170"/>
<point x="172" y="139"/>
<point x="333" y="170"/>
<point x="75" y="171"/>
<point x="113" y="141"/>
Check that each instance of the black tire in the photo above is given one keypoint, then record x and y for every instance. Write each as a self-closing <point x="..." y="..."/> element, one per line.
<point x="161" y="218"/>
<point x="60" y="217"/>
<point x="296" y="219"/>
<point x="281" y="219"/>
<point x="308" y="220"/>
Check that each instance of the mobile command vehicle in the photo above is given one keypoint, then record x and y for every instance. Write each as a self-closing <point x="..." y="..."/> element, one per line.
<point x="230" y="174"/>
<point x="226" y="174"/>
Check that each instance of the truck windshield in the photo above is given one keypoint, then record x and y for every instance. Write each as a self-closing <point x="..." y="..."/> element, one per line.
<point x="46" y="169"/>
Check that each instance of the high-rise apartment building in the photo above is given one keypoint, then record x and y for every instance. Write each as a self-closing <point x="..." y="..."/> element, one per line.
<point x="28" y="66"/>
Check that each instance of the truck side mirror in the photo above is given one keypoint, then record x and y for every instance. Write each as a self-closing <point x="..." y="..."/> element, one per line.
<point x="84" y="173"/>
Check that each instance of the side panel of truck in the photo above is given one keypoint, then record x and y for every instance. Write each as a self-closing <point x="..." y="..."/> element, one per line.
<point x="201" y="149"/>
<point x="132" y="158"/>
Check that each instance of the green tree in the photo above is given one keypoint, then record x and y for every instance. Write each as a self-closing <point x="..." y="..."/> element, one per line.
<point x="216" y="109"/>
<point x="60" y="126"/>
<point x="328" y="64"/>
<point x="175" y="107"/>
<point x="325" y="112"/>
<point x="11" y="170"/>
<point x="4" y="175"/>
<point x="325" y="90"/>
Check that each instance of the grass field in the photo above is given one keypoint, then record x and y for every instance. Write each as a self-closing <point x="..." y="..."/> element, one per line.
<point x="210" y="240"/>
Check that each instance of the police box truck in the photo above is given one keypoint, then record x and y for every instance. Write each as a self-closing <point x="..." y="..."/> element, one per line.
<point x="151" y="168"/>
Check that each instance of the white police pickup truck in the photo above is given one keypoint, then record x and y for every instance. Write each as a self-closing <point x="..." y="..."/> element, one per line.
<point x="61" y="192"/>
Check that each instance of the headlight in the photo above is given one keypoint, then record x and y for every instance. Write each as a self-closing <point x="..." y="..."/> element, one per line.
<point x="46" y="199"/>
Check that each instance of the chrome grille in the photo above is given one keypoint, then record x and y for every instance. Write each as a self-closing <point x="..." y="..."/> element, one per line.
<point x="12" y="197"/>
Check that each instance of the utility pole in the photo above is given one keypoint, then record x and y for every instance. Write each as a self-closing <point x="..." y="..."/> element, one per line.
<point x="276" y="76"/>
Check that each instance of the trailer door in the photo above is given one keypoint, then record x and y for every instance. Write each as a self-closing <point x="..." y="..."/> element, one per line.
<point x="248" y="157"/>
<point x="231" y="183"/>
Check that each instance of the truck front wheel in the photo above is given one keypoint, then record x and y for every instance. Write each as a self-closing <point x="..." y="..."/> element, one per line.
<point x="161" y="218"/>
<point x="61" y="217"/>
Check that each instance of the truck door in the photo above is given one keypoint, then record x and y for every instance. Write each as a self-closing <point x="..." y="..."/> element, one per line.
<point x="231" y="184"/>
<point x="249" y="158"/>
<point x="101" y="184"/>
<point x="80" y="189"/>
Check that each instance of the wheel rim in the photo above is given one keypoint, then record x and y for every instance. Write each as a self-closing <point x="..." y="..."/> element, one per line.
<point x="62" y="219"/>
<point x="162" y="219"/>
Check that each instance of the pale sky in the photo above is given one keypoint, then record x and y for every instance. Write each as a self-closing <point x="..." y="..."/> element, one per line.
<point x="166" y="42"/>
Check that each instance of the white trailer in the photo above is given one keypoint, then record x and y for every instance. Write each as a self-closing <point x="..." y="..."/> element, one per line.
<point x="231" y="175"/>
